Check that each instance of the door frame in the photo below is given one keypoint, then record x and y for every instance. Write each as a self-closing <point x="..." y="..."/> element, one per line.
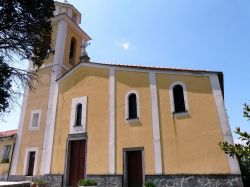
<point x="26" y="160"/>
<point x="125" y="177"/>
<point x="74" y="137"/>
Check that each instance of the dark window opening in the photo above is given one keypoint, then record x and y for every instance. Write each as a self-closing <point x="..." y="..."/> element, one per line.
<point x="78" y="120"/>
<point x="132" y="106"/>
<point x="72" y="50"/>
<point x="179" y="102"/>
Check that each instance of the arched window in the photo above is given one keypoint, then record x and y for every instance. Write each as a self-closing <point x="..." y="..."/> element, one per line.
<point x="132" y="106"/>
<point x="179" y="102"/>
<point x="78" y="119"/>
<point x="72" y="51"/>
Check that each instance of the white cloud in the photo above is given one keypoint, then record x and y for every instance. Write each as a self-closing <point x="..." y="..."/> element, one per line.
<point x="126" y="46"/>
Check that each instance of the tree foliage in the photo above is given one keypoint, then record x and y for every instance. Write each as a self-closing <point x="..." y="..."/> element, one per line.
<point x="5" y="84"/>
<point x="25" y="33"/>
<point x="240" y="151"/>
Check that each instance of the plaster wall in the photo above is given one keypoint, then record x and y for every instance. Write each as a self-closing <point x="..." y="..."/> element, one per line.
<point x="71" y="33"/>
<point x="53" y="42"/>
<point x="190" y="142"/>
<point x="138" y="134"/>
<point x="4" y="167"/>
<point x="38" y="100"/>
<point x="93" y="83"/>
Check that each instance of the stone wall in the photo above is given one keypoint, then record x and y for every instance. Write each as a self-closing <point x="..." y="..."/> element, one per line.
<point x="22" y="184"/>
<point x="51" y="180"/>
<point x="3" y="177"/>
<point x="159" y="180"/>
<point x="196" y="180"/>
<point x="107" y="180"/>
<point x="54" y="180"/>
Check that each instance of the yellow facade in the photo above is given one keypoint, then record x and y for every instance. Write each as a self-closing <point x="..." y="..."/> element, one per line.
<point x="72" y="34"/>
<point x="185" y="143"/>
<point x="53" y="41"/>
<point x="93" y="83"/>
<point x="189" y="143"/>
<point x="39" y="97"/>
<point x="34" y="138"/>
<point x="4" y="165"/>
<point x="137" y="134"/>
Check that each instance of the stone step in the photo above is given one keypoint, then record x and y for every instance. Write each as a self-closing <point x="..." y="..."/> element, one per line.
<point x="15" y="184"/>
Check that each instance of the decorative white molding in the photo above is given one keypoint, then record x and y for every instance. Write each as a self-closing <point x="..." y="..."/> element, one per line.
<point x="171" y="96"/>
<point x="39" y="112"/>
<point x="19" y="133"/>
<point x="68" y="6"/>
<point x="112" y="121"/>
<point x="26" y="158"/>
<point x="56" y="12"/>
<point x="62" y="10"/>
<point x="135" y="69"/>
<point x="78" y="20"/>
<point x="224" y="123"/>
<point x="155" y="124"/>
<point x="52" y="103"/>
<point x="48" y="66"/>
<point x="78" y="129"/>
<point x="70" y="12"/>
<point x="72" y="24"/>
<point x="60" y="42"/>
<point x="127" y="106"/>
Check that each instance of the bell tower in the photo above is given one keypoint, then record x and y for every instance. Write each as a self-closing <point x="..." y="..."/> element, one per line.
<point x="37" y="119"/>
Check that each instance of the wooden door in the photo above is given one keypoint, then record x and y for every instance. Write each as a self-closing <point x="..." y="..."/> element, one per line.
<point x="31" y="163"/>
<point x="77" y="161"/>
<point x="134" y="169"/>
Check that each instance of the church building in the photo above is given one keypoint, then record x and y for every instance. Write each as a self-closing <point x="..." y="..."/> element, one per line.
<point x="120" y="125"/>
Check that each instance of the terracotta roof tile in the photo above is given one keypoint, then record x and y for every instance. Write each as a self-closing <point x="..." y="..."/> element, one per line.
<point x="8" y="133"/>
<point x="152" y="67"/>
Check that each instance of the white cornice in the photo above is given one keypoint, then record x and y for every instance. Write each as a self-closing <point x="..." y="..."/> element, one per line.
<point x="68" y="5"/>
<point x="73" y="25"/>
<point x="136" y="69"/>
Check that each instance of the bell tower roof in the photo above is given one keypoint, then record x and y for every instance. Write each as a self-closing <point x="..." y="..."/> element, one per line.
<point x="64" y="7"/>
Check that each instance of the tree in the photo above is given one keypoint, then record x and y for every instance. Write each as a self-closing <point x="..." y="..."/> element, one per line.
<point x="25" y="33"/>
<point x="240" y="151"/>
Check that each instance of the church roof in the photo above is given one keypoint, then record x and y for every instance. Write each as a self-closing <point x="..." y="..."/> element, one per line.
<point x="152" y="67"/>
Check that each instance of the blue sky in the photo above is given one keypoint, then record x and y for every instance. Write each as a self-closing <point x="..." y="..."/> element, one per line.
<point x="207" y="34"/>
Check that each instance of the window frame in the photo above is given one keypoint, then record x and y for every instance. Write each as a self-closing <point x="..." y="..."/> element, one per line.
<point x="31" y="127"/>
<point x="172" y="103"/>
<point x="4" y="151"/>
<point x="80" y="128"/>
<point x="127" y="119"/>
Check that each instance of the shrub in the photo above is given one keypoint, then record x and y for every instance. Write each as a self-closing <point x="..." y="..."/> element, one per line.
<point x="149" y="184"/>
<point x="39" y="181"/>
<point x="87" y="182"/>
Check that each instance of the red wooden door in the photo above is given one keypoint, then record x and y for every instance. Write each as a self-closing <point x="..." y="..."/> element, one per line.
<point x="77" y="161"/>
<point x="134" y="169"/>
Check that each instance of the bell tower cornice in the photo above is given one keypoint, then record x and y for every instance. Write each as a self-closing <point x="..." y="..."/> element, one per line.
<point x="66" y="8"/>
<point x="77" y="28"/>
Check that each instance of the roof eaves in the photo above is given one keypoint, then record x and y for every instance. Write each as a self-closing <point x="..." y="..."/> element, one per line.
<point x="140" y="67"/>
